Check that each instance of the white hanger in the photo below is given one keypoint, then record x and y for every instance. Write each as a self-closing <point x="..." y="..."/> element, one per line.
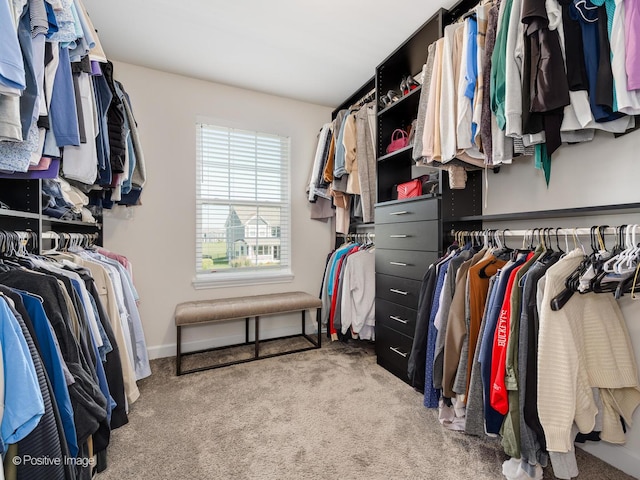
<point x="631" y="259"/>
<point x="55" y="236"/>
<point x="614" y="265"/>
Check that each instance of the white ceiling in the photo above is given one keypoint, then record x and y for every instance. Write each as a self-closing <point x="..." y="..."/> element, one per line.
<point x="318" y="52"/>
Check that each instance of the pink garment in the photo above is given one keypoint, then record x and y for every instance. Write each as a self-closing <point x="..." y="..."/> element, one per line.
<point x="632" y="40"/>
<point x="43" y="164"/>
<point x="121" y="259"/>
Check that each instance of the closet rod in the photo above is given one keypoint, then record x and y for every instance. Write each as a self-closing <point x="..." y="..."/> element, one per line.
<point x="52" y="234"/>
<point x="363" y="100"/>
<point x="535" y="232"/>
<point x="559" y="231"/>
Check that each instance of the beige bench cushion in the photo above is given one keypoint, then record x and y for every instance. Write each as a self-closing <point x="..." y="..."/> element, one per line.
<point x="204" y="311"/>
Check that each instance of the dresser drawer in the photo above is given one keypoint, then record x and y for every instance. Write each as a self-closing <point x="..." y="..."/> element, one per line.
<point x="404" y="263"/>
<point x="422" y="235"/>
<point x="393" y="350"/>
<point x="396" y="317"/>
<point x="402" y="291"/>
<point x="408" y="211"/>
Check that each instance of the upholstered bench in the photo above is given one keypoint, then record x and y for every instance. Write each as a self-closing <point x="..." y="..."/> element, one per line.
<point x="226" y="309"/>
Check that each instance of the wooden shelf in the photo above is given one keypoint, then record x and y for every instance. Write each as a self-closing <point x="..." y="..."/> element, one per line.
<point x="400" y="101"/>
<point x="59" y="221"/>
<point x="397" y="153"/>
<point x="18" y="214"/>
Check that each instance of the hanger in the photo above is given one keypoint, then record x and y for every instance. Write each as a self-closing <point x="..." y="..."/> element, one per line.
<point x="572" y="282"/>
<point x="630" y="244"/>
<point x="581" y="282"/>
<point x="364" y="100"/>
<point x="500" y="249"/>
<point x="558" y="242"/>
<point x="624" y="277"/>
<point x="504" y="252"/>
<point x="485" y="239"/>
<point x="56" y="243"/>
<point x="622" y="273"/>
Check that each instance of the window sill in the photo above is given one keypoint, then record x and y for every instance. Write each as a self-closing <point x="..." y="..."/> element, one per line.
<point x="240" y="279"/>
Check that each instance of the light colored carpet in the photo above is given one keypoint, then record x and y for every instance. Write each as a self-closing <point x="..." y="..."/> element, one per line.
<point x="331" y="413"/>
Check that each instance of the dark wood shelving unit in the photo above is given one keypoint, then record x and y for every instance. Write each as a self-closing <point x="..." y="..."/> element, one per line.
<point x="410" y="232"/>
<point x="25" y="199"/>
<point x="557" y="213"/>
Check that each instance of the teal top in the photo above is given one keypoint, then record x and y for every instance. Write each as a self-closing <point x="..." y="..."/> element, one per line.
<point x="497" y="83"/>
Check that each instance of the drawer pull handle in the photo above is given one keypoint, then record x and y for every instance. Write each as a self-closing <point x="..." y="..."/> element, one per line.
<point x="399" y="292"/>
<point x="398" y="319"/>
<point x="403" y="355"/>
<point x="398" y="236"/>
<point x="403" y="212"/>
<point x="398" y="264"/>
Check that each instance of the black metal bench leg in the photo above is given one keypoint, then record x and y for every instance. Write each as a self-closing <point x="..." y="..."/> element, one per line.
<point x="257" y="335"/>
<point x="318" y="320"/>
<point x="178" y="350"/>
<point x="304" y="332"/>
<point x="246" y="330"/>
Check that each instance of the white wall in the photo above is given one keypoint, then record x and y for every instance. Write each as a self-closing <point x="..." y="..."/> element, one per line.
<point x="603" y="172"/>
<point x="158" y="236"/>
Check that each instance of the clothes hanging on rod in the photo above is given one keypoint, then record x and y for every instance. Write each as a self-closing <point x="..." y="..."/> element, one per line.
<point x="487" y="97"/>
<point x="344" y="166"/>
<point x="499" y="359"/>
<point x="348" y="290"/>
<point x="79" y="312"/>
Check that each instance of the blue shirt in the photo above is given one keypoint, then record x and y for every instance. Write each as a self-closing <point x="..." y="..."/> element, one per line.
<point x="53" y="365"/>
<point x="472" y="68"/>
<point x="11" y="64"/>
<point x="23" y="403"/>
<point x="586" y="13"/>
<point x="340" y="155"/>
<point x="431" y="395"/>
<point x="341" y="252"/>
<point x="62" y="114"/>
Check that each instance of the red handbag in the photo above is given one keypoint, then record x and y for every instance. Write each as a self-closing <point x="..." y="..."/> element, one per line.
<point x="410" y="189"/>
<point x="399" y="139"/>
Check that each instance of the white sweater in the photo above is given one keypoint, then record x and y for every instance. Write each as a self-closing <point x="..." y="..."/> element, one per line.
<point x="585" y="344"/>
<point x="358" y="294"/>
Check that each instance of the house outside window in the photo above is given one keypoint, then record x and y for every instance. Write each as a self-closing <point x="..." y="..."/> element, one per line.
<point x="242" y="198"/>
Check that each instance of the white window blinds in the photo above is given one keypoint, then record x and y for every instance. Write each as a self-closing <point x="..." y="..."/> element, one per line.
<point x="243" y="211"/>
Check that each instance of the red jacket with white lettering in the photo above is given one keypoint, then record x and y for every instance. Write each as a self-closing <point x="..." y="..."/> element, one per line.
<point x="499" y="397"/>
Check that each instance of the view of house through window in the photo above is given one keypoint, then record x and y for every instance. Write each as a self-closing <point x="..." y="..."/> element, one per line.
<point x="242" y="201"/>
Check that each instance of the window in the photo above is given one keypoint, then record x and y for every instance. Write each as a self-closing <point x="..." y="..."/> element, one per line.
<point x="264" y="250"/>
<point x="242" y="199"/>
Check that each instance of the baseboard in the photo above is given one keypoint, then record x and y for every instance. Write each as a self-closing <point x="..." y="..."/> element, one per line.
<point x="617" y="455"/>
<point x="162" y="351"/>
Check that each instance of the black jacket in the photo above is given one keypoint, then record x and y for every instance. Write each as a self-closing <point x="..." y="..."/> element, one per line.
<point x="115" y="122"/>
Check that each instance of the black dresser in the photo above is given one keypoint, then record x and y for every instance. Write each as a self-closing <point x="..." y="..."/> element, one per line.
<point x="408" y="240"/>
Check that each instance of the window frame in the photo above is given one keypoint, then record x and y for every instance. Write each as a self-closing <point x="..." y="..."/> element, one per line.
<point x="246" y="276"/>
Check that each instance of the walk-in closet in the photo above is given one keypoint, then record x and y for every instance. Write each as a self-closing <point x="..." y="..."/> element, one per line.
<point x="286" y="240"/>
